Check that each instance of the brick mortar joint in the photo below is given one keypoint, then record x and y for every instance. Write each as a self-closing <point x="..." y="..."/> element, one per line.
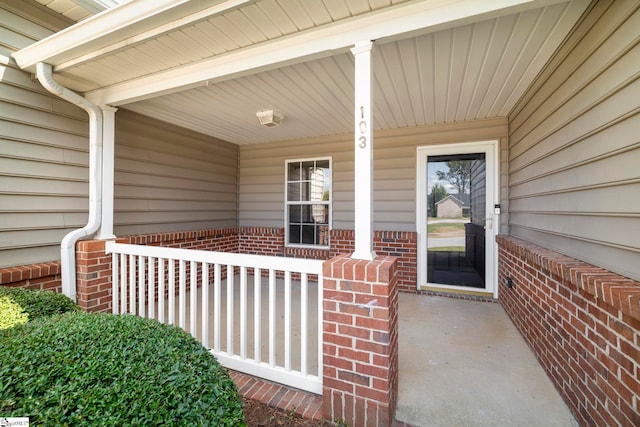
<point x="582" y="275"/>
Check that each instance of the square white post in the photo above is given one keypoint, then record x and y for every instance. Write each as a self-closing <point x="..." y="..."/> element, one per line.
<point x="363" y="140"/>
<point x="108" y="164"/>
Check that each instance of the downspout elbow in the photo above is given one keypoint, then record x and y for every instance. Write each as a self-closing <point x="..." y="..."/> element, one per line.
<point x="68" y="244"/>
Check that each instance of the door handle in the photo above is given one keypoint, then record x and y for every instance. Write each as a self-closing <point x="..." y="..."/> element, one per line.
<point x="488" y="221"/>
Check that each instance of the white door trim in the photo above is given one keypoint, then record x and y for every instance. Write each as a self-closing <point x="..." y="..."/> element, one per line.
<point x="490" y="148"/>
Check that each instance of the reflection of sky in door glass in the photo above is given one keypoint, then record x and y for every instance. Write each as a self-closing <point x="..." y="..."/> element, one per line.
<point x="432" y="179"/>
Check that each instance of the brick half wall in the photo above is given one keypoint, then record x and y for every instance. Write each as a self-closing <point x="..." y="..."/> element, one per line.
<point x="40" y="277"/>
<point x="402" y="245"/>
<point x="583" y="324"/>
<point x="245" y="240"/>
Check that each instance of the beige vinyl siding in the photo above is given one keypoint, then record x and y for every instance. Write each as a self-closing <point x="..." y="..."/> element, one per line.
<point x="574" y="150"/>
<point x="478" y="188"/>
<point x="261" y="180"/>
<point x="43" y="148"/>
<point x="168" y="178"/>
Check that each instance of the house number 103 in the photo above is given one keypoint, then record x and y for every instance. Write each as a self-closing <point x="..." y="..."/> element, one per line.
<point x="363" y="130"/>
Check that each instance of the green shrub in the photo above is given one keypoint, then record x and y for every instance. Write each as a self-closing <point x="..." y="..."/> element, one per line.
<point x="82" y="369"/>
<point x="37" y="304"/>
<point x="11" y="314"/>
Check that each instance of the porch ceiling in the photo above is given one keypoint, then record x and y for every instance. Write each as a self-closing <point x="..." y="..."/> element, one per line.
<point x="210" y="66"/>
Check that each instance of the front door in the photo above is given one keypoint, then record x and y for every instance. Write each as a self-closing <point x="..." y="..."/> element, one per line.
<point x="457" y="218"/>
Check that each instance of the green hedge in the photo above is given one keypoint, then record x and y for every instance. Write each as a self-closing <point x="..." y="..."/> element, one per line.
<point x="33" y="304"/>
<point x="82" y="369"/>
<point x="11" y="313"/>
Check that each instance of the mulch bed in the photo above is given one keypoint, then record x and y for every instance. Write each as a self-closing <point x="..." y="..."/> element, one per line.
<point x="261" y="415"/>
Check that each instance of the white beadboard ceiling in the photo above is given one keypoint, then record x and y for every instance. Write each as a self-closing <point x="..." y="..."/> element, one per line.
<point x="471" y="70"/>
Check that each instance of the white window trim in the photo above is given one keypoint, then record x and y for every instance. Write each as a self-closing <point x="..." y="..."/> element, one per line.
<point x="287" y="203"/>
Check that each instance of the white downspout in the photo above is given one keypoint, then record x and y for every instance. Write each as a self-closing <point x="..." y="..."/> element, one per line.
<point x="68" y="244"/>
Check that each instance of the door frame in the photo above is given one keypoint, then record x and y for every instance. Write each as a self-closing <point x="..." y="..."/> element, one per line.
<point x="490" y="148"/>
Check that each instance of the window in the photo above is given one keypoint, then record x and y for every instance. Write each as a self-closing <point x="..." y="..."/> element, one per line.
<point x="308" y="202"/>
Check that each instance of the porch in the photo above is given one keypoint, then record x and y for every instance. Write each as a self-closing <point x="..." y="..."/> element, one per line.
<point x="460" y="362"/>
<point x="451" y="375"/>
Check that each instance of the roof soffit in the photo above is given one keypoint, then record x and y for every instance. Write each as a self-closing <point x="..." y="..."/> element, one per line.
<point x="137" y="21"/>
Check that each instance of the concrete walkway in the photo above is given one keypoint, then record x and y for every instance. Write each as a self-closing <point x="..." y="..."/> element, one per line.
<point x="463" y="363"/>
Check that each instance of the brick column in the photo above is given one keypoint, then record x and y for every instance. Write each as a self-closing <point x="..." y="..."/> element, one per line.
<point x="360" y="340"/>
<point x="93" y="276"/>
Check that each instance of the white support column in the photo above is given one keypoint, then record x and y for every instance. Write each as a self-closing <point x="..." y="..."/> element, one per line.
<point x="363" y="152"/>
<point x="108" y="153"/>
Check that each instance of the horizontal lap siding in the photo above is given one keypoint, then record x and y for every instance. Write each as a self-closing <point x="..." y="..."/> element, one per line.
<point x="170" y="179"/>
<point x="43" y="149"/>
<point x="574" y="145"/>
<point x="166" y="178"/>
<point x="261" y="181"/>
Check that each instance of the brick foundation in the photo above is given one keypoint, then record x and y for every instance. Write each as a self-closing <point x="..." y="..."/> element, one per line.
<point x="360" y="336"/>
<point x="40" y="277"/>
<point x="583" y="324"/>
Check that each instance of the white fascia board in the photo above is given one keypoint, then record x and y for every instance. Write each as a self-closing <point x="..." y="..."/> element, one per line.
<point x="404" y="18"/>
<point x="93" y="33"/>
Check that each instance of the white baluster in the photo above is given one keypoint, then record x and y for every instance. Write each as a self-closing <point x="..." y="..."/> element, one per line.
<point x="230" y="279"/>
<point x="114" y="283"/>
<point x="257" y="315"/>
<point x="205" y="305"/>
<point x="141" y="285"/>
<point x="172" y="291"/>
<point x="182" y="297"/>
<point x="193" y="305"/>
<point x="303" y="323"/>
<point x="152" y="288"/>
<point x="132" y="284"/>
<point x="272" y="318"/>
<point x="217" y="285"/>
<point x="287" y="321"/>
<point x="161" y="291"/>
<point x="243" y="312"/>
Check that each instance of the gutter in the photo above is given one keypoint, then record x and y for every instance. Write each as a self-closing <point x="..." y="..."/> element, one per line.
<point x="68" y="245"/>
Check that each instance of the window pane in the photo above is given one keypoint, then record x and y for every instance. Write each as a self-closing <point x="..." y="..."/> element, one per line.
<point x="317" y="184"/>
<point x="304" y="193"/>
<point x="295" y="214"/>
<point x="306" y="214"/>
<point x="294" y="171"/>
<point x="293" y="191"/>
<point x="320" y="214"/>
<point x="294" y="234"/>
<point x="323" y="235"/>
<point x="307" y="167"/>
<point x="308" y="234"/>
<point x="322" y="164"/>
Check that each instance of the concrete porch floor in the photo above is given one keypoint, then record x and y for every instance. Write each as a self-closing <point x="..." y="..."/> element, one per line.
<point x="463" y="363"/>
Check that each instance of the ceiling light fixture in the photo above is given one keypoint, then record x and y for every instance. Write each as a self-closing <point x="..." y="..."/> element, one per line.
<point x="270" y="118"/>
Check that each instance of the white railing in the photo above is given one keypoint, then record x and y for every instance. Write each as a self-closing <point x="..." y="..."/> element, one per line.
<point x="260" y="315"/>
